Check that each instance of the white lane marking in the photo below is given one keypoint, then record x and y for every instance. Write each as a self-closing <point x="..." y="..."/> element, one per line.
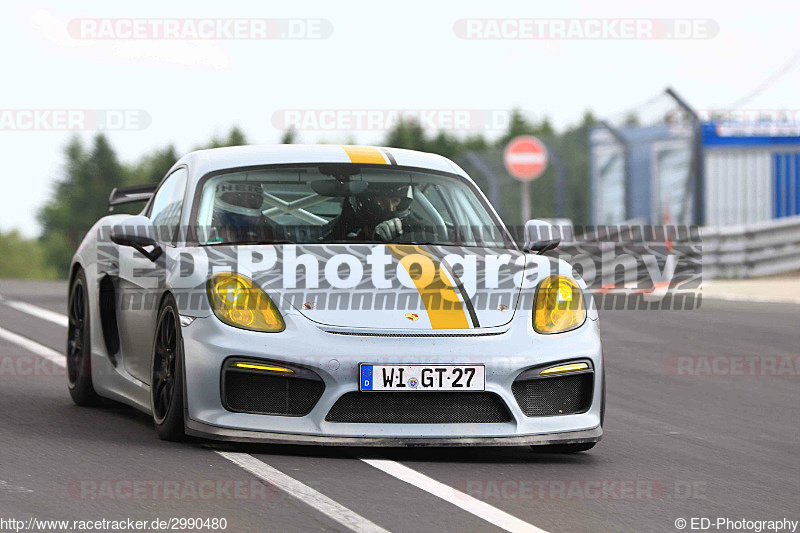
<point x="32" y="346"/>
<point x="4" y="486"/>
<point x="302" y="492"/>
<point x="464" y="501"/>
<point x="41" y="312"/>
<point x="316" y="499"/>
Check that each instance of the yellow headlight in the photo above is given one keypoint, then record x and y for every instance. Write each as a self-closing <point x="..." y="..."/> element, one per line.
<point x="559" y="305"/>
<point x="238" y="302"/>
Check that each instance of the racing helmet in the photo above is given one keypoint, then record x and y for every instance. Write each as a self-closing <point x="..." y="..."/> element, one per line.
<point x="367" y="205"/>
<point x="238" y="204"/>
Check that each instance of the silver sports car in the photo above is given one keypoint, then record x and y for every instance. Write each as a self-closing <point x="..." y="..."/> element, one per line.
<point x="325" y="294"/>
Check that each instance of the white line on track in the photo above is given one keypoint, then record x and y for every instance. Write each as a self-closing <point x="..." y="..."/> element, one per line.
<point x="302" y="492"/>
<point x="32" y="346"/>
<point x="41" y="312"/>
<point x="464" y="501"/>
<point x="260" y="469"/>
<point x="298" y="490"/>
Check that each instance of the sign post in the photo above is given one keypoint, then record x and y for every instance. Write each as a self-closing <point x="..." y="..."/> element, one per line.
<point x="525" y="158"/>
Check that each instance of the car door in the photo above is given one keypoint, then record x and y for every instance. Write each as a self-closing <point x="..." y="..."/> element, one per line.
<point x="141" y="281"/>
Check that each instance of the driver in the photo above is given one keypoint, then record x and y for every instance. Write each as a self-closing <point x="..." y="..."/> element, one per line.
<point x="378" y="214"/>
<point x="237" y="210"/>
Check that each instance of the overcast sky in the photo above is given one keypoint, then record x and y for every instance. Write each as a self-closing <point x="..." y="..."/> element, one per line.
<point x="378" y="56"/>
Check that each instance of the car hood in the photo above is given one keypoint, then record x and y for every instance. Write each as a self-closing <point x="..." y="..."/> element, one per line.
<point x="394" y="287"/>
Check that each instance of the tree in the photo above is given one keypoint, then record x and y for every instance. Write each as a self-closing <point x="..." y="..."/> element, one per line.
<point x="518" y="124"/>
<point x="151" y="168"/>
<point x="289" y="136"/>
<point x="631" y="119"/>
<point x="407" y="134"/>
<point x="588" y="118"/>
<point x="476" y="143"/>
<point x="410" y="135"/>
<point x="445" y="144"/>
<point x="78" y="200"/>
<point x="235" y="138"/>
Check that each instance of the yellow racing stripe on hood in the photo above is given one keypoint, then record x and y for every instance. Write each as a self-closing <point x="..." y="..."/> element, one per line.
<point x="439" y="297"/>
<point x="364" y="154"/>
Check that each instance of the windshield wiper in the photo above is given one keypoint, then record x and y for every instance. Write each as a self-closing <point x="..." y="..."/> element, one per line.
<point x="233" y="243"/>
<point x="425" y="243"/>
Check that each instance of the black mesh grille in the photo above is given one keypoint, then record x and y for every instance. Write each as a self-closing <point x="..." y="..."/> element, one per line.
<point x="558" y="395"/>
<point x="419" y="408"/>
<point x="252" y="392"/>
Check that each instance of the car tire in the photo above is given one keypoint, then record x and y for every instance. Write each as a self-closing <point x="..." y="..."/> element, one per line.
<point x="564" y="448"/>
<point x="79" y="347"/>
<point x="166" y="375"/>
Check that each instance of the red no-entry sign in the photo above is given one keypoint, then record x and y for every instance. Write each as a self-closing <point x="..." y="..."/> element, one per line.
<point x="525" y="158"/>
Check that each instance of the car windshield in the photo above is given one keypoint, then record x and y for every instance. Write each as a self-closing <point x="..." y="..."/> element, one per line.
<point x="344" y="203"/>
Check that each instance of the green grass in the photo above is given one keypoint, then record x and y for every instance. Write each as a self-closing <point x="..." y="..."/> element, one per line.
<point x="23" y="258"/>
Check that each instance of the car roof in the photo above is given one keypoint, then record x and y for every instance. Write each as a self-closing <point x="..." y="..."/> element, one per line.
<point x="201" y="162"/>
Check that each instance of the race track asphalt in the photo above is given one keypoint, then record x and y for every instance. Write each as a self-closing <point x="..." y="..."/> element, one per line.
<point x="675" y="445"/>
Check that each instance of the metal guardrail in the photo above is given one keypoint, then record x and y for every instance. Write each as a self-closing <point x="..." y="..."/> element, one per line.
<point x="741" y="251"/>
<point x="753" y="250"/>
<point x="631" y="256"/>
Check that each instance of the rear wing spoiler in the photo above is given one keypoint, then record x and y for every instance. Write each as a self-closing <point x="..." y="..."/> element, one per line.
<point x="130" y="195"/>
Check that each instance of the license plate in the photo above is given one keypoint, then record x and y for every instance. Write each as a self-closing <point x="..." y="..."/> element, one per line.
<point x="410" y="378"/>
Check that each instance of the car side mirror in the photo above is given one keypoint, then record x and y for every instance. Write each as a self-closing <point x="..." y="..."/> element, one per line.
<point x="137" y="232"/>
<point x="541" y="236"/>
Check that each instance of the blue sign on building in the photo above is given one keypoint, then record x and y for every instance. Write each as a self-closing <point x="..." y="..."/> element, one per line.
<point x="750" y="173"/>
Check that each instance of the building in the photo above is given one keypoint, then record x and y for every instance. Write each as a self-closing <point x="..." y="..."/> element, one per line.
<point x="750" y="173"/>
